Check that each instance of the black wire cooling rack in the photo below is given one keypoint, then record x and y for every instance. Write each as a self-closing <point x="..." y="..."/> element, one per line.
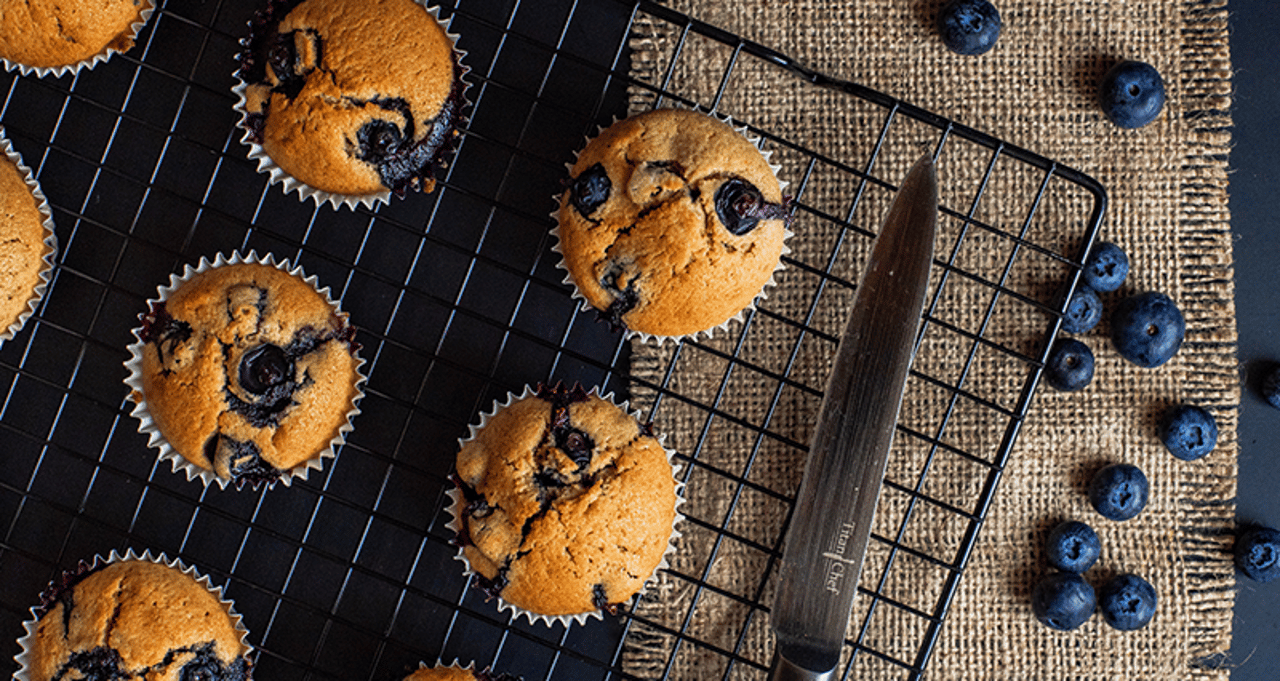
<point x="350" y="575"/>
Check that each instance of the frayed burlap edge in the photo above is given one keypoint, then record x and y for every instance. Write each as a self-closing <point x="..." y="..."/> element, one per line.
<point x="1208" y="280"/>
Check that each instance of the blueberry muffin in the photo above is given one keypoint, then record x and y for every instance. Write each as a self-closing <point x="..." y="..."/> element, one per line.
<point x="672" y="223"/>
<point x="247" y="371"/>
<point x="351" y="97"/>
<point x="455" y="673"/>
<point x="564" y="505"/>
<point x="133" y="619"/>
<point x="60" y="34"/>
<point x="27" y="255"/>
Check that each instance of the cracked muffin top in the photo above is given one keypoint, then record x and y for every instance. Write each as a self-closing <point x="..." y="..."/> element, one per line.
<point x="352" y="97"/>
<point x="455" y="673"/>
<point x="672" y="223"/>
<point x="248" y="371"/>
<point x="136" y="619"/>
<point x="23" y="233"/>
<point x="53" y="33"/>
<point x="567" y="503"/>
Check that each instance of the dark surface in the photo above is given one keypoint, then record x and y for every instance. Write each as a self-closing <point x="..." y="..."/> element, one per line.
<point x="1255" y="205"/>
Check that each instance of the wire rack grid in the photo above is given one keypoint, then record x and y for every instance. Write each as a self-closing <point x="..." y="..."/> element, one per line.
<point x="350" y="574"/>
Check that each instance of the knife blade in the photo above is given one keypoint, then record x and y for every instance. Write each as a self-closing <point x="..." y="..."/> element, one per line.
<point x="834" y="509"/>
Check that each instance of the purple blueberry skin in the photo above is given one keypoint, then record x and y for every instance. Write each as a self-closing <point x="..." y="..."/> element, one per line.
<point x="1107" y="267"/>
<point x="1063" y="601"/>
<point x="1072" y="547"/>
<point x="1188" y="432"/>
<point x="1119" y="491"/>
<point x="1257" y="553"/>
<point x="969" y="27"/>
<point x="1127" y="602"/>
<point x="1147" y="329"/>
<point x="1070" y="365"/>
<point x="1083" y="312"/>
<point x="1132" y="94"/>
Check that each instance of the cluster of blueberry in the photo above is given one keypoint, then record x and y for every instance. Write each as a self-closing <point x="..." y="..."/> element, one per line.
<point x="1063" y="600"/>
<point x="1146" y="329"/>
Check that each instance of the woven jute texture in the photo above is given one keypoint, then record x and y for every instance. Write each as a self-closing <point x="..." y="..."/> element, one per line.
<point x="1167" y="187"/>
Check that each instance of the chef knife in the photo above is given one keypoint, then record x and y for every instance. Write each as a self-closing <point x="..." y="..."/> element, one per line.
<point x="831" y="521"/>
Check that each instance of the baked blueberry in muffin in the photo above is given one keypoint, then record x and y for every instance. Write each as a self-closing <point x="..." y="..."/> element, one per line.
<point x="134" y="619"/>
<point x="671" y="224"/>
<point x="246" y="370"/>
<point x="565" y="504"/>
<point x="352" y="97"/>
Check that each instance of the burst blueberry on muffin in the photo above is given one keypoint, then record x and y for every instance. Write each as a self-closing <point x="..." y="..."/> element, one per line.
<point x="353" y="98"/>
<point x="673" y="222"/>
<point x="565" y="503"/>
<point x="57" y="36"/>
<point x="135" y="618"/>
<point x="246" y="370"/>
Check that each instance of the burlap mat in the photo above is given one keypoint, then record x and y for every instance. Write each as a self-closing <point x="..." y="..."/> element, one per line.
<point x="1168" y="209"/>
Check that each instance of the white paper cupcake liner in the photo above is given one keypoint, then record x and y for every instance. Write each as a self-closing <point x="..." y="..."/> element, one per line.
<point x="50" y="240"/>
<point x="586" y="305"/>
<point x="305" y="191"/>
<point x="455" y="665"/>
<point x="28" y="641"/>
<point x="147" y="424"/>
<point x="58" y="71"/>
<point x="458" y="503"/>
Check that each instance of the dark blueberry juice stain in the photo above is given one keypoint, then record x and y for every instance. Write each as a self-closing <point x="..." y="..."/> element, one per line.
<point x="625" y="299"/>
<point x="601" y="601"/>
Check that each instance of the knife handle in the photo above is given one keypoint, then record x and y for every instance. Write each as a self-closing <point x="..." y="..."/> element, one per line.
<point x="785" y="670"/>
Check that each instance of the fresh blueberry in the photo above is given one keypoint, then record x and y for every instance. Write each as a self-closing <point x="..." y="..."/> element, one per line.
<point x="1106" y="268"/>
<point x="1132" y="94"/>
<point x="969" y="26"/>
<point x="1070" y="365"/>
<point x="1188" y="431"/>
<point x="1258" y="553"/>
<point x="1271" y="386"/>
<point x="1063" y="601"/>
<point x="1119" y="491"/>
<point x="1083" y="312"/>
<point x="1073" y="547"/>
<point x="1127" y="602"/>
<point x="1147" y="328"/>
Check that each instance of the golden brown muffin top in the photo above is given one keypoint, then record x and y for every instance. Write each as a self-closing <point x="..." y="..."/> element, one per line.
<point x="52" y="33"/>
<point x="351" y="93"/>
<point x="248" y="371"/>
<point x="22" y="231"/>
<point x="643" y="227"/>
<point x="570" y="503"/>
<point x="134" y="616"/>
